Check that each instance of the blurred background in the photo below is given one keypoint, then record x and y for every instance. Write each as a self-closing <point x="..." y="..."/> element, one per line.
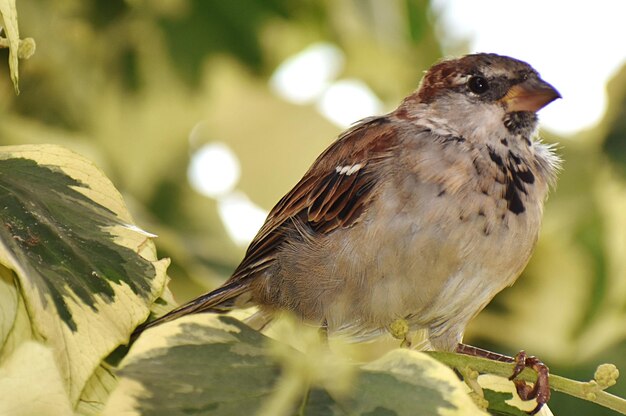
<point x="205" y="112"/>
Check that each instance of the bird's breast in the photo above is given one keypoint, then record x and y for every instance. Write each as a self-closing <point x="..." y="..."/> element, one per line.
<point x="437" y="248"/>
<point x="439" y="240"/>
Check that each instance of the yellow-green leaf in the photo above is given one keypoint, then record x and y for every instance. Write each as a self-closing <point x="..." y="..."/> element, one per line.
<point x="502" y="397"/>
<point x="8" y="302"/>
<point x="85" y="274"/>
<point x="96" y="392"/>
<point x="31" y="383"/>
<point x="8" y="13"/>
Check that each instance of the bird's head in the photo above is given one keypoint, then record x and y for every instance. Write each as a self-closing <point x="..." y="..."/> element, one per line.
<point x="482" y="92"/>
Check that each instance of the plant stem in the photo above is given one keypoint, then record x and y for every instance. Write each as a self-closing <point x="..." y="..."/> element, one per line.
<point x="583" y="390"/>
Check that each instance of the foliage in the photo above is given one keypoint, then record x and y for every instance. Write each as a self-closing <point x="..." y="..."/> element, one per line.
<point x="77" y="275"/>
<point x="217" y="365"/>
<point x="125" y="83"/>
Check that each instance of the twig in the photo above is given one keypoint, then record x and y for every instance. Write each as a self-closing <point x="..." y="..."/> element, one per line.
<point x="592" y="391"/>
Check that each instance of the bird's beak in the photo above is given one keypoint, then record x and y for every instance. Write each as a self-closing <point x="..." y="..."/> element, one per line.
<point x="531" y="95"/>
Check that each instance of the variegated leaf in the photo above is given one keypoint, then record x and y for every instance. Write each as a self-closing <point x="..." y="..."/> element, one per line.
<point x="84" y="275"/>
<point x="216" y="365"/>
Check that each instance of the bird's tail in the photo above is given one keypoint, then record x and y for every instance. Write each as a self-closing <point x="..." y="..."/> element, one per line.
<point x="218" y="301"/>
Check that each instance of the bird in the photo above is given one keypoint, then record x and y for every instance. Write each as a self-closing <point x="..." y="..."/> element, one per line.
<point x="423" y="214"/>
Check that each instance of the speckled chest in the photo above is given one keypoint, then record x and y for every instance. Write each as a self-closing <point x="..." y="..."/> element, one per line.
<point x="461" y="206"/>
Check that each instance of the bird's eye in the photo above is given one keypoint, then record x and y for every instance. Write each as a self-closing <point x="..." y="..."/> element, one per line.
<point x="477" y="84"/>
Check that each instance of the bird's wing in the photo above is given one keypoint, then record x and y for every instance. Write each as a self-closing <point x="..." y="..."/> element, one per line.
<point x="334" y="193"/>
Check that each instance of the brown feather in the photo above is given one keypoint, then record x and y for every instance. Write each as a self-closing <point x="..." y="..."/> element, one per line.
<point x="325" y="199"/>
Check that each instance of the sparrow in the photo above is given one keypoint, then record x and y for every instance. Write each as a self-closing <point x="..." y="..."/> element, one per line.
<point x="423" y="214"/>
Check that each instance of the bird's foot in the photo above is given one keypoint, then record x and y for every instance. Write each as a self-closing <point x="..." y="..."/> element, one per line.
<point x="540" y="391"/>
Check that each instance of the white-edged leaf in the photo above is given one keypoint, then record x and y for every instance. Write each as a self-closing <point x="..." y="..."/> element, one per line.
<point x="86" y="276"/>
<point x="407" y="382"/>
<point x="195" y="365"/>
<point x="216" y="365"/>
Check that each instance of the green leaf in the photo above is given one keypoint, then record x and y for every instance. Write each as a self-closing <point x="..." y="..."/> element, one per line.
<point x="59" y="235"/>
<point x="208" y="27"/>
<point x="211" y="364"/>
<point x="503" y="400"/>
<point x="219" y="367"/>
<point x="498" y="405"/>
<point x="84" y="274"/>
<point x="407" y="382"/>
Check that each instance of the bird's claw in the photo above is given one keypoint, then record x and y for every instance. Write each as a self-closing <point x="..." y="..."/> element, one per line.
<point x="541" y="389"/>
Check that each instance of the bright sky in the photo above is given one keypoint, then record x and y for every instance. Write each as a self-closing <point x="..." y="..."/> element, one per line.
<point x="576" y="46"/>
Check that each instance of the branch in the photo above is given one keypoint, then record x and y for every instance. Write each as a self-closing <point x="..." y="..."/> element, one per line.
<point x="593" y="391"/>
